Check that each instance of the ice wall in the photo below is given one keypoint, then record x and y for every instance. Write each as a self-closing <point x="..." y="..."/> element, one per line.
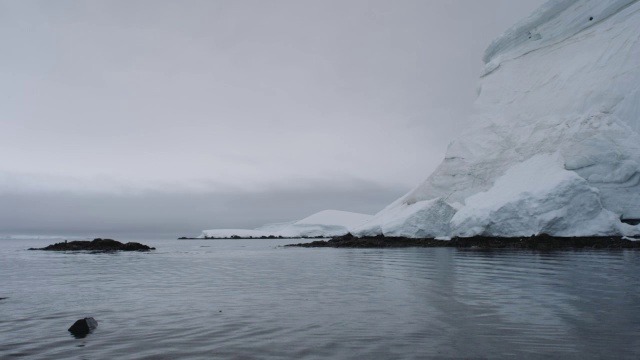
<point x="563" y="82"/>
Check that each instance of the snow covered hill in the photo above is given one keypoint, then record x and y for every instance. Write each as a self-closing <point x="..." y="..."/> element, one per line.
<point x="553" y="145"/>
<point x="324" y="223"/>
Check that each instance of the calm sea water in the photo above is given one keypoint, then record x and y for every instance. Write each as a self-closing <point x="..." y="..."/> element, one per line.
<point x="251" y="299"/>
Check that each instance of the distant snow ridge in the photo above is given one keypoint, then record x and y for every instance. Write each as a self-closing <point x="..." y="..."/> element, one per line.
<point x="325" y="223"/>
<point x="554" y="143"/>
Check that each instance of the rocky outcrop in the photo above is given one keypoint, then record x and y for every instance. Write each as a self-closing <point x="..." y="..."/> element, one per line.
<point x="539" y="242"/>
<point x="99" y="245"/>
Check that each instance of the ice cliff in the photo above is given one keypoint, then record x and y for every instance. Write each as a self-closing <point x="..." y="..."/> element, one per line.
<point x="553" y="145"/>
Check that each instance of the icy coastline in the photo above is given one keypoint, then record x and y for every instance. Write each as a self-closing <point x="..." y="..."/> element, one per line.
<point x="553" y="146"/>
<point x="327" y="223"/>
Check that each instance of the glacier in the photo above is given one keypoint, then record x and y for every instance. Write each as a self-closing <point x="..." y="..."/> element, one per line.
<point x="325" y="223"/>
<point x="553" y="144"/>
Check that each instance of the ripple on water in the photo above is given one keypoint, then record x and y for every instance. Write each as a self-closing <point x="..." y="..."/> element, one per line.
<point x="251" y="299"/>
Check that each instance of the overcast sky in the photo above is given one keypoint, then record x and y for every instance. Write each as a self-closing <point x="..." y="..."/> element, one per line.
<point x="175" y="116"/>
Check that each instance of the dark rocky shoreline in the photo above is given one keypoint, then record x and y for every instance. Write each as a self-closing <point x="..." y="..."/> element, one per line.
<point x="97" y="245"/>
<point x="538" y="242"/>
<point x="236" y="237"/>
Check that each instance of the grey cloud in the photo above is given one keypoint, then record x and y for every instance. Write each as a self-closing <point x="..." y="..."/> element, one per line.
<point x="240" y="91"/>
<point x="179" y="213"/>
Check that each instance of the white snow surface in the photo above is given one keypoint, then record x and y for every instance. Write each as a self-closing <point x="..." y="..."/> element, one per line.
<point x="536" y="196"/>
<point x="553" y="145"/>
<point x="325" y="223"/>
<point x="427" y="218"/>
<point x="334" y="218"/>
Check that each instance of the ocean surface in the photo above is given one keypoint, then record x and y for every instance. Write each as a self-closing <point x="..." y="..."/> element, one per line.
<point x="252" y="299"/>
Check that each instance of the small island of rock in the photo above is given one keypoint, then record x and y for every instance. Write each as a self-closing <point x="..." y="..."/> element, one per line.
<point x="100" y="245"/>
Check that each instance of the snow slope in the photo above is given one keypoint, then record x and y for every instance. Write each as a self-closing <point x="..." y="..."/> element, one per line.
<point x="324" y="223"/>
<point x="553" y="145"/>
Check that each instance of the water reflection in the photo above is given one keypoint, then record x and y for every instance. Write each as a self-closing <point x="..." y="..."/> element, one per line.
<point x="518" y="302"/>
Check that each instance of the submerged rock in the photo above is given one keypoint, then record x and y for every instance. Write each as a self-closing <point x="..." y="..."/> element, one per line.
<point x="96" y="245"/>
<point x="83" y="327"/>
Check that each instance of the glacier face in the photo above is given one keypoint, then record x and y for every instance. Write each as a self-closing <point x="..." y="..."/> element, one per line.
<point x="408" y="220"/>
<point x="556" y="127"/>
<point x="536" y="196"/>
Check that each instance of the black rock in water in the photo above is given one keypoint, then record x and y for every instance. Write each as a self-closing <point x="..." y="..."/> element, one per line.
<point x="96" y="245"/>
<point x="83" y="327"/>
